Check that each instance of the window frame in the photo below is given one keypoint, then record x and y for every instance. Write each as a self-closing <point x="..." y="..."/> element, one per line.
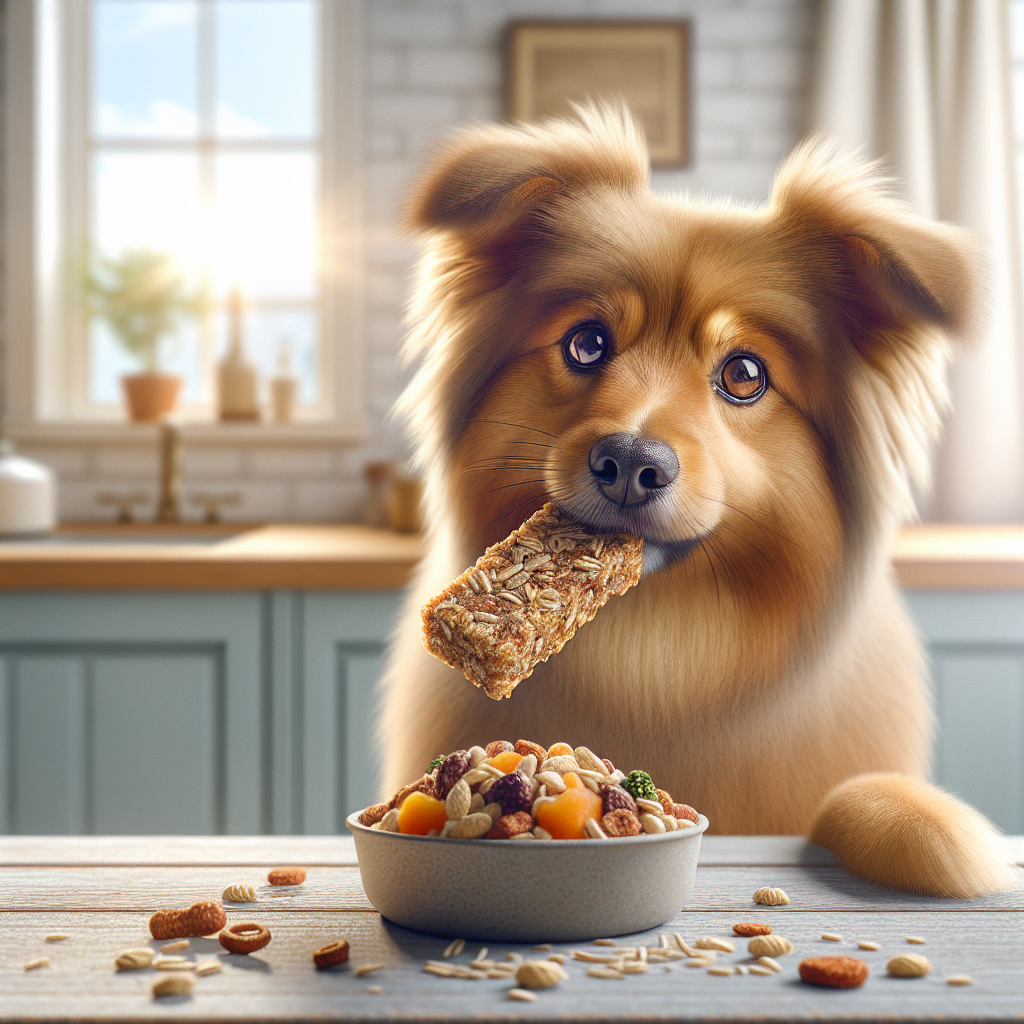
<point x="44" y="405"/>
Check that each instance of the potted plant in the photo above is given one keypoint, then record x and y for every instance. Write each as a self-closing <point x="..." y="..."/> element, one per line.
<point x="144" y="297"/>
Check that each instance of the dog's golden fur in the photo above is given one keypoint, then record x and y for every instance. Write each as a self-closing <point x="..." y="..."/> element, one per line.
<point x="775" y="660"/>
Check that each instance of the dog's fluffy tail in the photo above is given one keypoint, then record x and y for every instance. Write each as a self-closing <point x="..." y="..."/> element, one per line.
<point x="903" y="833"/>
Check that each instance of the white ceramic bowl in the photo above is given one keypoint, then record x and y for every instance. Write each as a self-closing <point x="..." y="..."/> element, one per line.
<point x="523" y="890"/>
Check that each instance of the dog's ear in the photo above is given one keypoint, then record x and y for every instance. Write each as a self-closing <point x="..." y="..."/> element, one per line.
<point x="491" y="178"/>
<point x="888" y="270"/>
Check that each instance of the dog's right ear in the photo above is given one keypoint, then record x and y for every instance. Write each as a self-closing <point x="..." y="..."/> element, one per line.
<point x="490" y="178"/>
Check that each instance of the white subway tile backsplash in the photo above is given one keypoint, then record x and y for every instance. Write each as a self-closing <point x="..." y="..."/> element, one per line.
<point x="290" y="462"/>
<point x="121" y="463"/>
<point x="67" y="463"/>
<point x="212" y="463"/>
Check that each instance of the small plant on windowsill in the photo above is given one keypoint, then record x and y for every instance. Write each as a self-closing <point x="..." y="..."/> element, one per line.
<point x="144" y="297"/>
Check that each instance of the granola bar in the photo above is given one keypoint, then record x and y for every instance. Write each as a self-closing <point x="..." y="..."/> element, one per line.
<point x="526" y="597"/>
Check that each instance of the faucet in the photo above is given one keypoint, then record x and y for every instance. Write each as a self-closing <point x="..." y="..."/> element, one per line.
<point x="172" y="452"/>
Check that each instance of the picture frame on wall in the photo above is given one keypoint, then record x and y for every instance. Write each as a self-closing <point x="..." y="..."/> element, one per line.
<point x="549" y="65"/>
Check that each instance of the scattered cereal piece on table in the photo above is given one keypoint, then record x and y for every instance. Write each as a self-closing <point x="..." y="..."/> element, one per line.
<point x="748" y="929"/>
<point x="286" y="876"/>
<point x="713" y="942"/>
<point x="909" y="965"/>
<point x="174" y="947"/>
<point x="239" y="893"/>
<point x="830" y="937"/>
<point x="366" y="969"/>
<point x="454" y="948"/>
<point x="771" y="897"/>
<point x="833" y="971"/>
<point x="721" y="971"/>
<point x="521" y="995"/>
<point x="872" y="947"/>
<point x="206" y="967"/>
<point x="769" y="945"/>
<point x="540" y="974"/>
<point x="915" y="940"/>
<point x="245" y="937"/>
<point x="959" y="979"/>
<point x="57" y="937"/>
<point x="332" y="954"/>
<point x="40" y="961"/>
<point x="134" y="959"/>
<point x="202" y="918"/>
<point x="605" y="972"/>
<point x="174" y="985"/>
<point x="374" y="990"/>
<point x="767" y="961"/>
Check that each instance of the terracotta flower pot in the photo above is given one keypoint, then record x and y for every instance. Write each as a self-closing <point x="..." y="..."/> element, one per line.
<point x="149" y="396"/>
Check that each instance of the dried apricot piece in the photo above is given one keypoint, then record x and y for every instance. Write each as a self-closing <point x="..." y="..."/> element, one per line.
<point x="565" y="817"/>
<point x="419" y="814"/>
<point x="507" y="762"/>
<point x="572" y="781"/>
<point x="560" y="748"/>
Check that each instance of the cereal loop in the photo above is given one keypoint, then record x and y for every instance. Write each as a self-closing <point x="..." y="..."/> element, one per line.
<point x="287" y="876"/>
<point x="244" y="938"/>
<point x="332" y="954"/>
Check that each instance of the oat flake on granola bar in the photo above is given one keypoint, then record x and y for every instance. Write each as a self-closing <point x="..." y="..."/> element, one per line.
<point x="526" y="597"/>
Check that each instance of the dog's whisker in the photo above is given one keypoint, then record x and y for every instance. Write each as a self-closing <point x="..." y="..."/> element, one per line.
<point x="505" y="487"/>
<point x="536" y="497"/>
<point x="503" y="423"/>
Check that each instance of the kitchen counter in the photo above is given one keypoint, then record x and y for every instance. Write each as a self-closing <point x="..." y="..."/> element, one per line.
<point x="350" y="557"/>
<point x="100" y="892"/>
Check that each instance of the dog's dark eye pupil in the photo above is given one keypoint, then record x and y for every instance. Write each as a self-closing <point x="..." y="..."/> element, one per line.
<point x="586" y="346"/>
<point x="743" y="378"/>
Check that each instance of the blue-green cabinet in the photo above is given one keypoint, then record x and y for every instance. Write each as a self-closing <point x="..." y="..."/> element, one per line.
<point x="188" y="712"/>
<point x="245" y="712"/>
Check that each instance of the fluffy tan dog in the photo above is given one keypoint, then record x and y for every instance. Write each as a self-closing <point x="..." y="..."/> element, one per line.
<point x="749" y="389"/>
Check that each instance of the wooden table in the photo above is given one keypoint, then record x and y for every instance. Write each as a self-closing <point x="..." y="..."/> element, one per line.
<point x="101" y="891"/>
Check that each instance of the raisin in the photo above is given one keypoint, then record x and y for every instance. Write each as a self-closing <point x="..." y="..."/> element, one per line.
<point x="512" y="793"/>
<point x="615" y="798"/>
<point x="454" y="766"/>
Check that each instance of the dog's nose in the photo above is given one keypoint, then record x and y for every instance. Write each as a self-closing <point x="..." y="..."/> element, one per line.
<point x="629" y="468"/>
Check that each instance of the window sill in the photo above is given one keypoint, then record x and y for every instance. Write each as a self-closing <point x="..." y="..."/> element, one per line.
<point x="242" y="435"/>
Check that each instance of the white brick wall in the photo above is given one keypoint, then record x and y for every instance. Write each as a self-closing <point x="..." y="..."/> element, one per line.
<point x="431" y="64"/>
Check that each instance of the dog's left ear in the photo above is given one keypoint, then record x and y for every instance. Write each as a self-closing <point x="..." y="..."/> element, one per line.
<point x="888" y="271"/>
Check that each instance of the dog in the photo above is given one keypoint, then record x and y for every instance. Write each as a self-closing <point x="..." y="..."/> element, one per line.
<point x="750" y="389"/>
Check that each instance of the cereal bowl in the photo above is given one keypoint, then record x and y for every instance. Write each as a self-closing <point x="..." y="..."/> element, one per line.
<point x="509" y="890"/>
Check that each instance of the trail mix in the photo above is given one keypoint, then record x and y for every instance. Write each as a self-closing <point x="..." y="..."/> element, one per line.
<point x="522" y="791"/>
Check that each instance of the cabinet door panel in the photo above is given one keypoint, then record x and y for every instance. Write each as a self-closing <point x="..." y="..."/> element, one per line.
<point x="47" y="742"/>
<point x="156" y="728"/>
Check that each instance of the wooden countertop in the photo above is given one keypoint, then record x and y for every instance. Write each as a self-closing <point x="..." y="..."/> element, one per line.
<point x="100" y="892"/>
<point x="349" y="557"/>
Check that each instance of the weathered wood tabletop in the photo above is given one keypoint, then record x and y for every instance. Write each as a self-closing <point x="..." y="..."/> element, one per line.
<point x="101" y="892"/>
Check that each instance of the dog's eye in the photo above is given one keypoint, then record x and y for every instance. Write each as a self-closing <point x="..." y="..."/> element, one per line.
<point x="586" y="346"/>
<point x="743" y="379"/>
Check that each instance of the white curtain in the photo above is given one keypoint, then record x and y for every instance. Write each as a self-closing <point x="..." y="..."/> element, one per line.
<point x="926" y="85"/>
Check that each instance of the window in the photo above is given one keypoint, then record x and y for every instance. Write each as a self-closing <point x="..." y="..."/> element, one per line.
<point x="220" y="131"/>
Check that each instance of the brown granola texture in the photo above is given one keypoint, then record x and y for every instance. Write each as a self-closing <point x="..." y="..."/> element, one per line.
<point x="526" y="597"/>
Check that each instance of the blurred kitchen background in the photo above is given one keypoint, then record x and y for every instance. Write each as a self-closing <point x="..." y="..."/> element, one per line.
<point x="251" y="157"/>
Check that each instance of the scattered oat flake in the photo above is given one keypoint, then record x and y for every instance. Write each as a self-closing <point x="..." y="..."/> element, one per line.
<point x="915" y="940"/>
<point x="959" y="979"/>
<point x="604" y="972"/>
<point x="522" y="995"/>
<point x="767" y="961"/>
<point x="374" y="990"/>
<point x="829" y="937"/>
<point x="559" y="958"/>
<point x="173" y="947"/>
<point x="454" y="948"/>
<point x="367" y="969"/>
<point x="57" y="937"/>
<point x="721" y="971"/>
<point x="603" y="942"/>
<point x="759" y="969"/>
<point x="209" y="967"/>
<point x="873" y="946"/>
<point x="40" y="961"/>
<point x="544" y="947"/>
<point x="516" y="958"/>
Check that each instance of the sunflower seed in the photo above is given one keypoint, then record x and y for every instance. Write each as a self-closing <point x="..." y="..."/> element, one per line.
<point x="486" y="617"/>
<point x="454" y="948"/>
<point x="40" y="961"/>
<point x="522" y="995"/>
